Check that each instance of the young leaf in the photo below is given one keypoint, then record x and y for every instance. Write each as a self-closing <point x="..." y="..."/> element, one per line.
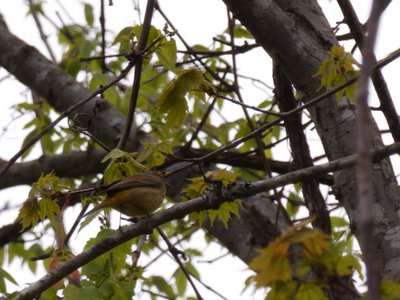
<point x="310" y="291"/>
<point x="163" y="286"/>
<point x="155" y="153"/>
<point x="336" y="70"/>
<point x="89" y="14"/>
<point x="180" y="281"/>
<point x="121" y="164"/>
<point x="226" y="210"/>
<point x="166" y="53"/>
<point x="172" y="98"/>
<point x="4" y="275"/>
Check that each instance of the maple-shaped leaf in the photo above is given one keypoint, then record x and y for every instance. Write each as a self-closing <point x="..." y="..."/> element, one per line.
<point x="29" y="214"/>
<point x="272" y="264"/>
<point x="224" y="212"/>
<point x="166" y="53"/>
<point x="40" y="204"/>
<point x="336" y="69"/>
<point x="199" y="186"/>
<point x="308" y="291"/>
<point x="121" y="164"/>
<point x="172" y="98"/>
<point x="155" y="153"/>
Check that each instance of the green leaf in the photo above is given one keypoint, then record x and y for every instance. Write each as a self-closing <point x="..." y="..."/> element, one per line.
<point x="336" y="69"/>
<point x="346" y="265"/>
<point x="163" y="286"/>
<point x="49" y="208"/>
<point x="111" y="262"/>
<point x="88" y="293"/>
<point x="154" y="35"/>
<point x="292" y="207"/>
<point x="4" y="275"/>
<point x="29" y="214"/>
<point x="122" y="164"/>
<point x="224" y="212"/>
<point x="166" y="53"/>
<point x="89" y="14"/>
<point x="125" y="35"/>
<point x="172" y="98"/>
<point x="282" y="290"/>
<point x="309" y="291"/>
<point x="111" y="94"/>
<point x="241" y="32"/>
<point x="49" y="294"/>
<point x="40" y="204"/>
<point x="192" y="270"/>
<point x="26" y="140"/>
<point x="180" y="281"/>
<point x="155" y="153"/>
<point x="389" y="289"/>
<point x="339" y="222"/>
<point x="16" y="250"/>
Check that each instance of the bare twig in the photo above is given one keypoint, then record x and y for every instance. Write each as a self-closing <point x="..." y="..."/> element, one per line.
<point x="175" y="253"/>
<point x="138" y="72"/>
<point x="43" y="36"/>
<point x="103" y="36"/>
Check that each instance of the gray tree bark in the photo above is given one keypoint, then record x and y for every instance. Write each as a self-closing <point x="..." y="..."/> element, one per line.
<point x="298" y="36"/>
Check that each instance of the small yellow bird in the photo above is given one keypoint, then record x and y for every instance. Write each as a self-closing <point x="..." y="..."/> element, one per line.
<point x="135" y="196"/>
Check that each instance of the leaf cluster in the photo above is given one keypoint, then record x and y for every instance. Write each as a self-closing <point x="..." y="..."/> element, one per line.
<point x="301" y="262"/>
<point x="41" y="204"/>
<point x="198" y="187"/>
<point x="337" y="68"/>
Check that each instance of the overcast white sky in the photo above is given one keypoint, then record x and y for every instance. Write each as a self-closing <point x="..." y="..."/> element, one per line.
<point x="197" y="21"/>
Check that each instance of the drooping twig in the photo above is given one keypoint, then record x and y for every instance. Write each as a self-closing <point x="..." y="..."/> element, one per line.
<point x="175" y="253"/>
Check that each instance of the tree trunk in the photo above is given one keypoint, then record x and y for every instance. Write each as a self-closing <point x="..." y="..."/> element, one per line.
<point x="297" y="35"/>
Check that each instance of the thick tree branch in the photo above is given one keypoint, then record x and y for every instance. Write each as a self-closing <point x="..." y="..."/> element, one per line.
<point x="211" y="200"/>
<point x="60" y="89"/>
<point x="71" y="164"/>
<point x="300" y="151"/>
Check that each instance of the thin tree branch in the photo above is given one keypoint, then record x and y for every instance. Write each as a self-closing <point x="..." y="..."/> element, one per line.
<point x="138" y="72"/>
<point x="386" y="102"/>
<point x="175" y="253"/>
<point x="300" y="151"/>
<point x="365" y="192"/>
<point x="103" y="37"/>
<point x="307" y="104"/>
<point x="34" y="11"/>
